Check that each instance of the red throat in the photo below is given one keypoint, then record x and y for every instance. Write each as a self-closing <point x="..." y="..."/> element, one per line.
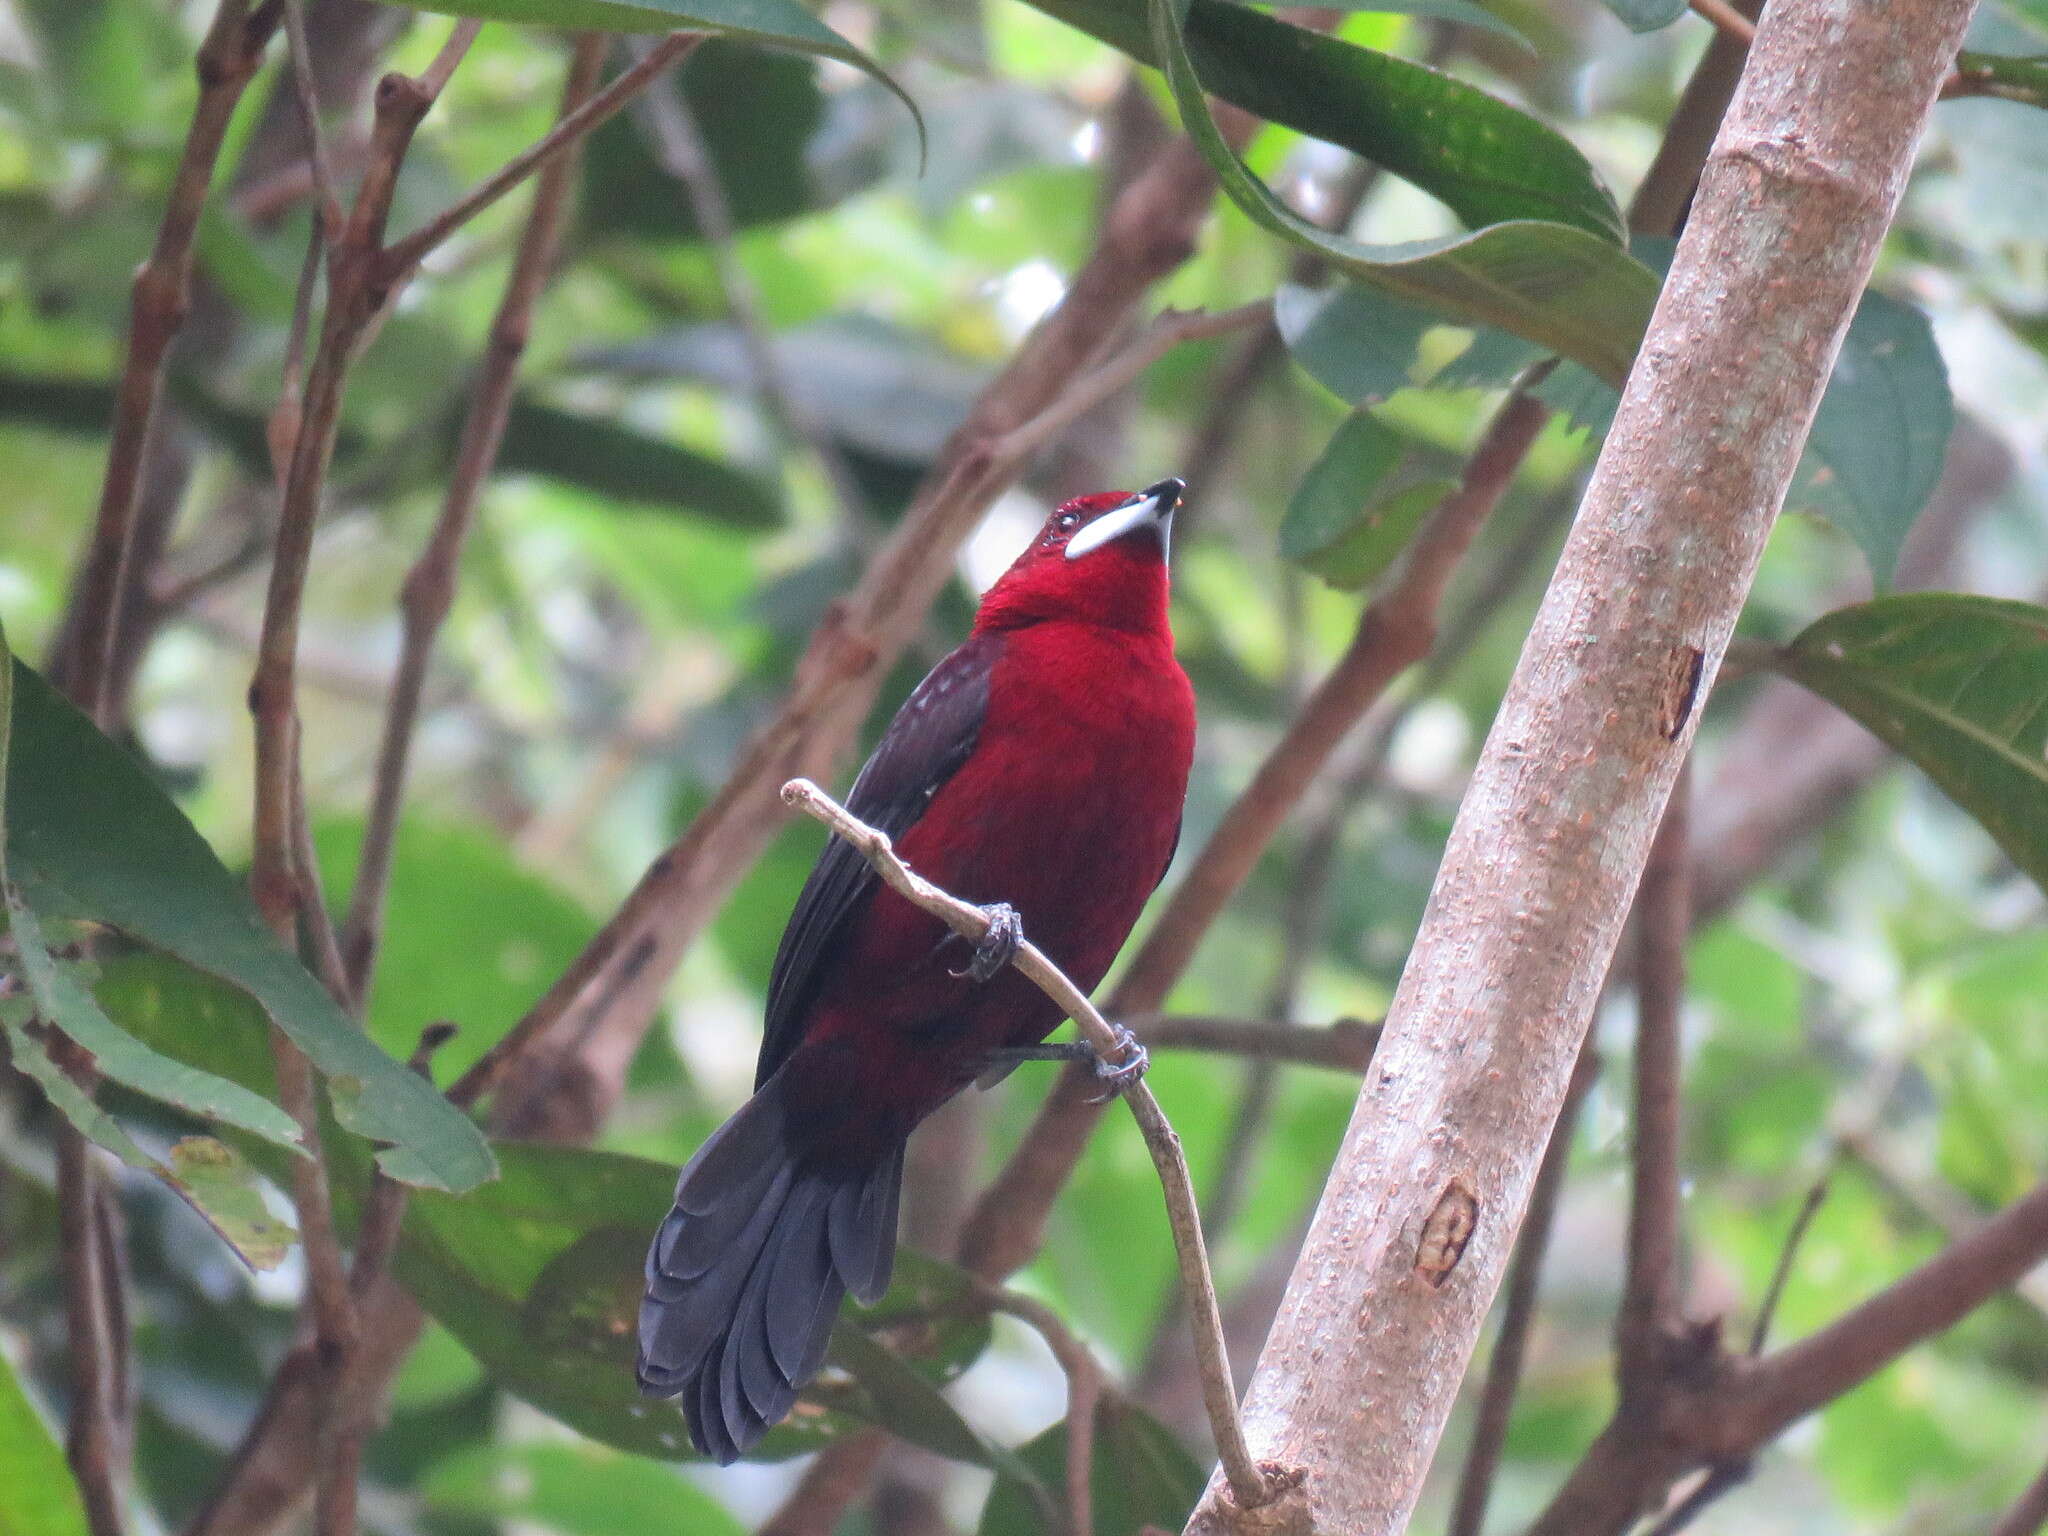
<point x="1121" y="585"/>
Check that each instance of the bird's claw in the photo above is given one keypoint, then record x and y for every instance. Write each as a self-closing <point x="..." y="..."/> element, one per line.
<point x="1120" y="1076"/>
<point x="998" y="946"/>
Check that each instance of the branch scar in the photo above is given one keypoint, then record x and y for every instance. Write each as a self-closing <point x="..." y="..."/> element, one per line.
<point x="1681" y="690"/>
<point x="1446" y="1231"/>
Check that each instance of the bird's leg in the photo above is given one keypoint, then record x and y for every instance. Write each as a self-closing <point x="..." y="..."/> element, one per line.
<point x="1117" y="1076"/>
<point x="998" y="946"/>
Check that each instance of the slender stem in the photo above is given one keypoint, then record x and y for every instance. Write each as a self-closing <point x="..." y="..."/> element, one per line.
<point x="1345" y="1046"/>
<point x="1247" y="1482"/>
<point x="435" y="77"/>
<point x="407" y="252"/>
<point x="1663" y="923"/>
<point x="1781" y="1273"/>
<point x="327" y="206"/>
<point x="1084" y="1394"/>
<point x="228" y="58"/>
<point x="93" y="1442"/>
<point x="1518" y="1315"/>
<point x="1725" y="19"/>
<point x="429" y="588"/>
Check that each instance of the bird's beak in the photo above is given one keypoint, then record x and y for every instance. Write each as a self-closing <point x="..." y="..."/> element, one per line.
<point x="1152" y="507"/>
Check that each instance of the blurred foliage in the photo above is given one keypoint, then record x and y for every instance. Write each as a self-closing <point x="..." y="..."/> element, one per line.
<point x="655" y="550"/>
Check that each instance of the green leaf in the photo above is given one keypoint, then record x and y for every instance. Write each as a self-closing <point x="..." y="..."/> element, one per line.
<point x="41" y="1498"/>
<point x="1957" y="683"/>
<point x="87" y="825"/>
<point x="1464" y="12"/>
<point x="1483" y="159"/>
<point x="630" y="465"/>
<point x="539" y="1276"/>
<point x="224" y="1188"/>
<point x="1358" y="343"/>
<point x="469" y="935"/>
<point x="1564" y="287"/>
<point x="776" y="23"/>
<point x="1647" y="15"/>
<point x="1376" y="540"/>
<point x="576" y="1489"/>
<point x="1141" y="1476"/>
<point x="1881" y="435"/>
<point x="1333" y="496"/>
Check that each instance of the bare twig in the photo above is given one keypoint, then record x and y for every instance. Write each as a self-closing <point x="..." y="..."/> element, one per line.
<point x="441" y="68"/>
<point x="1663" y="923"/>
<point x="1344" y="1046"/>
<point x="1725" y="19"/>
<point x="429" y="589"/>
<point x="1518" y="1314"/>
<point x="94" y="1440"/>
<point x="1397" y="629"/>
<point x="327" y="207"/>
<point x="1084" y="1392"/>
<point x="405" y="253"/>
<point x="1781" y="1273"/>
<point x="228" y="58"/>
<point x="1247" y="1482"/>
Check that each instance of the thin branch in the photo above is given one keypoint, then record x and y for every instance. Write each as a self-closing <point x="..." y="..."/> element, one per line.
<point x="429" y="589"/>
<point x="441" y="68"/>
<point x="228" y="58"/>
<point x="833" y="1480"/>
<point x="93" y="1441"/>
<point x="1663" y="924"/>
<point x="1084" y="1393"/>
<point x="327" y="205"/>
<point x="1781" y="1273"/>
<point x="404" y="254"/>
<point x="1344" y="1046"/>
<point x="1725" y="19"/>
<point x="1248" y="1484"/>
<point x="1518" y="1314"/>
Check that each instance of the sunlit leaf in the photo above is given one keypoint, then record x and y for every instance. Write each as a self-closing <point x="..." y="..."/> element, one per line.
<point x="1357" y="342"/>
<point x="41" y="1498"/>
<point x="1464" y="12"/>
<point x="1957" y="683"/>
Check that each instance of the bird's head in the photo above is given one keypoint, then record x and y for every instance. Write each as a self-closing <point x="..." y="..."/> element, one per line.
<point x="1100" y="559"/>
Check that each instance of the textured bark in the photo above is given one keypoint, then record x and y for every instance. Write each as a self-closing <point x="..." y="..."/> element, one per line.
<point x="1415" y="1225"/>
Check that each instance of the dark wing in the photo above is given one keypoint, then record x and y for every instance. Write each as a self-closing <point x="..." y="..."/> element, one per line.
<point x="924" y="746"/>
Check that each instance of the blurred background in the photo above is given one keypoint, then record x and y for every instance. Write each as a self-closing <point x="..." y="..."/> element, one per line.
<point x="1869" y="998"/>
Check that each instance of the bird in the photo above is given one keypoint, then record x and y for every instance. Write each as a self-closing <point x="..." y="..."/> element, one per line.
<point x="1039" y="771"/>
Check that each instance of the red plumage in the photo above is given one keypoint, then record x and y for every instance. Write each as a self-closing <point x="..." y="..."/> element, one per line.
<point x="1042" y="764"/>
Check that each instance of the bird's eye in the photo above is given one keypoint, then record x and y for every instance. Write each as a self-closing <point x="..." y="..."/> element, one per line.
<point x="1069" y="521"/>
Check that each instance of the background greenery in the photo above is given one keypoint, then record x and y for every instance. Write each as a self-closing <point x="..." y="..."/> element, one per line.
<point x="656" y="550"/>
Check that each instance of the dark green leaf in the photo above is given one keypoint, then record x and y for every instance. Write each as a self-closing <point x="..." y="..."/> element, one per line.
<point x="777" y="23"/>
<point x="1355" y="341"/>
<point x="539" y="1276"/>
<point x="1333" y="496"/>
<point x="1359" y="558"/>
<point x="1959" y="684"/>
<point x="1881" y="434"/>
<point x="1141" y="1476"/>
<point x="1485" y="160"/>
<point x="1573" y="291"/>
<point x="1647" y="15"/>
<point x="616" y="460"/>
<point x="41" y="1498"/>
<point x="86" y="822"/>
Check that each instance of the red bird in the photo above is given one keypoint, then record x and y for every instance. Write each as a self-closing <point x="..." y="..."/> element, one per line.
<point x="1041" y="769"/>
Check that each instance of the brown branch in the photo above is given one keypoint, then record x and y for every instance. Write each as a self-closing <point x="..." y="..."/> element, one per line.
<point x="398" y="260"/>
<point x="1725" y="19"/>
<point x="228" y="58"/>
<point x="429" y="589"/>
<point x="1084" y="1393"/>
<point x="1556" y="825"/>
<point x="327" y="207"/>
<point x="1663" y="924"/>
<point x="1518" y="1313"/>
<point x="1345" y="1046"/>
<point x="94" y="1441"/>
<point x="1397" y="629"/>
<point x="1247" y="1483"/>
<point x="832" y="1481"/>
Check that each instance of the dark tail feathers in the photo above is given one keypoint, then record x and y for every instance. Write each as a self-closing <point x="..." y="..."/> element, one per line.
<point x="746" y="1274"/>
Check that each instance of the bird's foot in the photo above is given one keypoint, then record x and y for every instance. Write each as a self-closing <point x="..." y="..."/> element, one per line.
<point x="998" y="946"/>
<point x="1120" y="1076"/>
